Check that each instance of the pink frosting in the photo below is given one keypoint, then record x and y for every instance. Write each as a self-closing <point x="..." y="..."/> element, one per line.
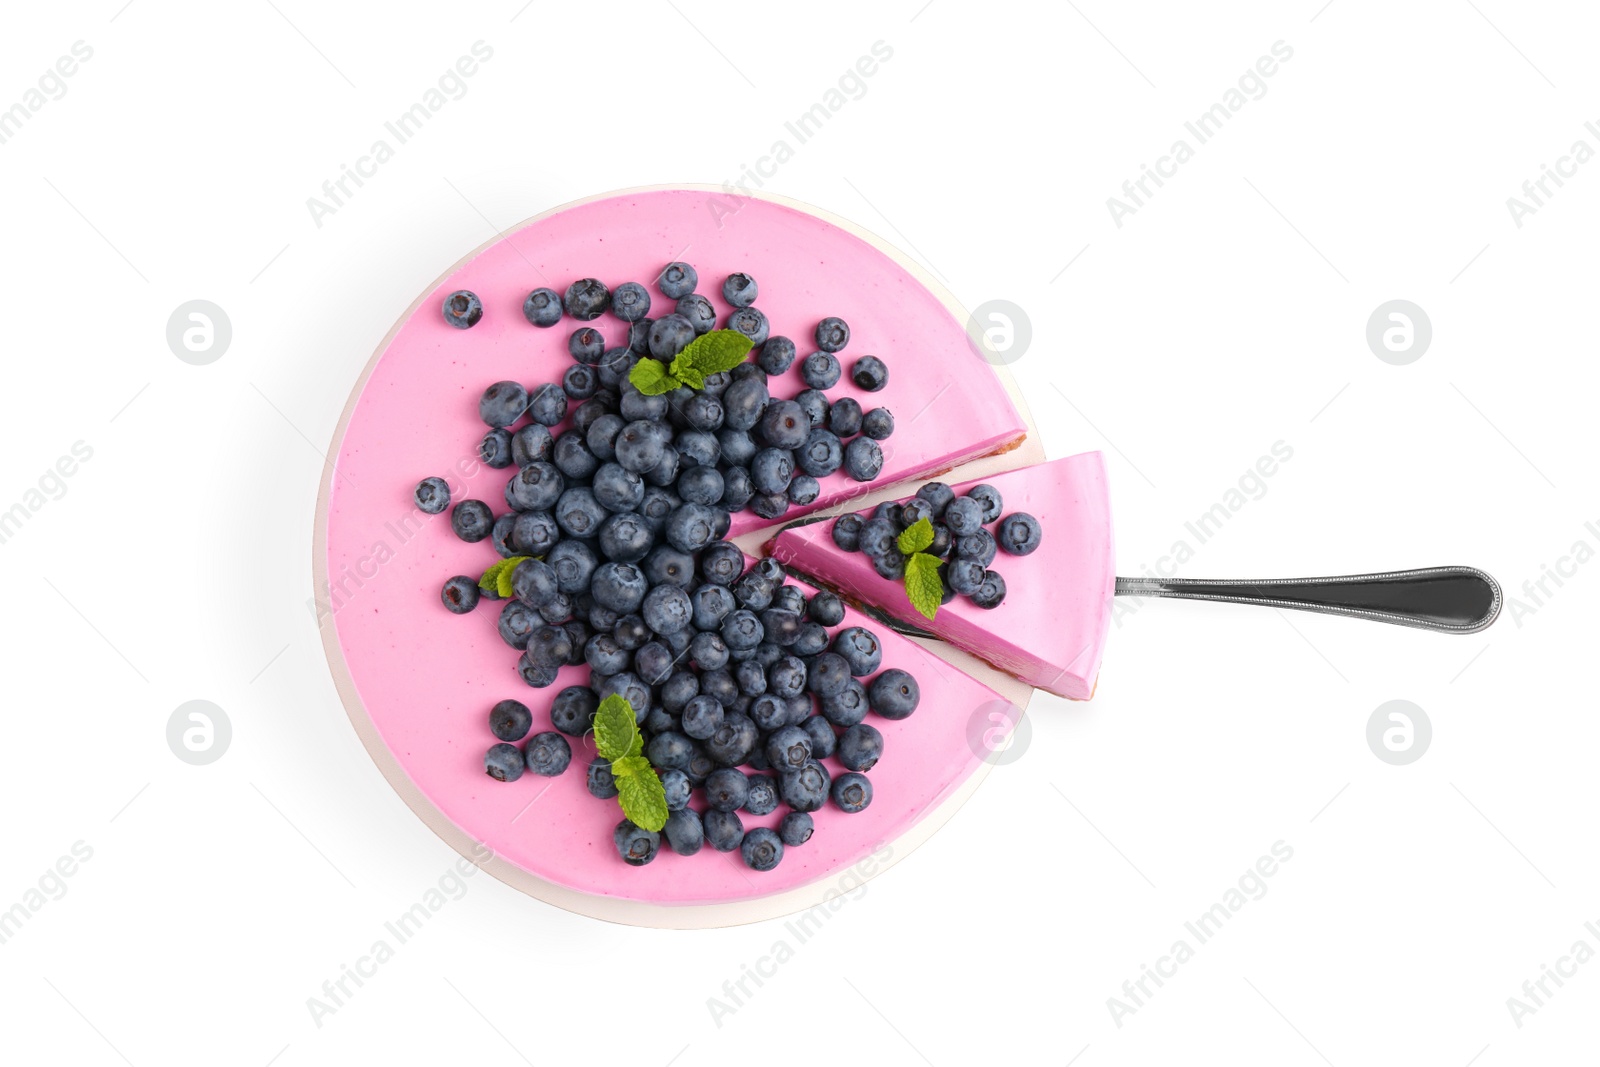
<point x="1051" y="629"/>
<point x="427" y="679"/>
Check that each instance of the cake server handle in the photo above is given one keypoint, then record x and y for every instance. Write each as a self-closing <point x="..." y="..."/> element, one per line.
<point x="1456" y="600"/>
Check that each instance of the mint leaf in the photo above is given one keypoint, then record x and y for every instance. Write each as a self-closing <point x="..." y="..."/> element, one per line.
<point x="686" y="374"/>
<point x="616" y="731"/>
<point x="643" y="799"/>
<point x="923" y="585"/>
<point x="650" y="377"/>
<point x="714" y="353"/>
<point x="916" y="537"/>
<point x="629" y="765"/>
<point x="497" y="579"/>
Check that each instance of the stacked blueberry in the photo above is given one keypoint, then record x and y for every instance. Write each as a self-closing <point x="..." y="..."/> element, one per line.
<point x="620" y="509"/>
<point x="962" y="538"/>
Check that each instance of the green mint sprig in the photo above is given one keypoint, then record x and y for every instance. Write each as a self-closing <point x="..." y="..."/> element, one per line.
<point x="639" y="789"/>
<point x="924" y="588"/>
<point x="711" y="353"/>
<point x="497" y="579"/>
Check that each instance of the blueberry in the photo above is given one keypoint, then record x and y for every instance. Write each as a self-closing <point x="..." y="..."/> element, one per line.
<point x="788" y="748"/>
<point x="533" y="443"/>
<point x="717" y="384"/>
<point x="534" y="583"/>
<point x="503" y="762"/>
<point x="547" y="404"/>
<point x="860" y="747"/>
<point x="471" y="520"/>
<point x="738" y="448"/>
<point x="463" y="309"/>
<point x="432" y="496"/>
<point x="762" y="850"/>
<point x="724" y="831"/>
<point x="979" y="546"/>
<point x="877" y="424"/>
<point x="547" y="645"/>
<point x="604" y="656"/>
<point x="665" y="565"/>
<point x="826" y="608"/>
<point x="761" y="795"/>
<point x="587" y="345"/>
<point x="697" y="447"/>
<point x="847" y="707"/>
<point x="653" y="662"/>
<point x="502" y="404"/>
<point x="743" y="403"/>
<point x="727" y="789"/>
<point x="742" y="630"/>
<point x="784" y="424"/>
<point x="495" y="449"/>
<point x="702" y="412"/>
<point x="691" y="527"/>
<point x="752" y="322"/>
<point x="578" y="513"/>
<point x="626" y="538"/>
<point x="721" y="563"/>
<point x="516" y="623"/>
<point x="665" y="473"/>
<point x="878" y="537"/>
<point x="821" y="454"/>
<point x="618" y="489"/>
<point x="820" y="370"/>
<point x="776" y="356"/>
<point x="915" y="510"/>
<point x="712" y="604"/>
<point x="816" y="405"/>
<point x="863" y="459"/>
<point x="547" y="754"/>
<point x="891" y="565"/>
<point x="751" y="677"/>
<point x="701" y="718"/>
<point x="676" y="280"/>
<point x="666" y="609"/>
<point x="460" y="594"/>
<point x="754" y="591"/>
<point x="536" y="676"/>
<point x="870" y="373"/>
<point x="739" y="290"/>
<point x="535" y="487"/>
<point x="795" y="829"/>
<point x="543" y="307"/>
<point x="707" y="651"/>
<point x="669" y="750"/>
<point x="964" y="516"/>
<point x="772" y="470"/>
<point x="630" y="302"/>
<point x="698" y="310"/>
<point x="823" y="741"/>
<point x="895" y="513"/>
<point x="574" y="564"/>
<point x="992" y="593"/>
<point x="657" y="504"/>
<point x="805" y="789"/>
<point x="787" y="677"/>
<point x="636" y="845"/>
<point x="852" y="792"/>
<point x="832" y="334"/>
<point x="844" y="417"/>
<point x="573" y="458"/>
<point x="510" y="720"/>
<point x="677" y="787"/>
<point x="847" y="531"/>
<point x="734" y="740"/>
<point x="684" y="832"/>
<point x="782" y="625"/>
<point x="586" y="299"/>
<point x="812" y="640"/>
<point x="860" y="649"/>
<point x="636" y="406"/>
<point x="669" y="336"/>
<point x="599" y="780"/>
<point x="941" y="541"/>
<point x="938" y="495"/>
<point x="769" y="712"/>
<point x="620" y="587"/>
<point x="964" y="576"/>
<point x="1020" y="533"/>
<point x="894" y="694"/>
<point x="572" y="711"/>
<point x="602" y="435"/>
<point x="614" y="367"/>
<point x="720" y="686"/>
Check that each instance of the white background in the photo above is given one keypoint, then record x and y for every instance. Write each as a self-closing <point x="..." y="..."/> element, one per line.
<point x="1227" y="314"/>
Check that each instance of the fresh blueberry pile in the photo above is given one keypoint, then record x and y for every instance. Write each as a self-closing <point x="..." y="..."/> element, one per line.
<point x="962" y="538"/>
<point x="614" y="556"/>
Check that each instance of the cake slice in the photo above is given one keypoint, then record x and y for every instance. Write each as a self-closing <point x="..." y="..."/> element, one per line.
<point x="1051" y="627"/>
